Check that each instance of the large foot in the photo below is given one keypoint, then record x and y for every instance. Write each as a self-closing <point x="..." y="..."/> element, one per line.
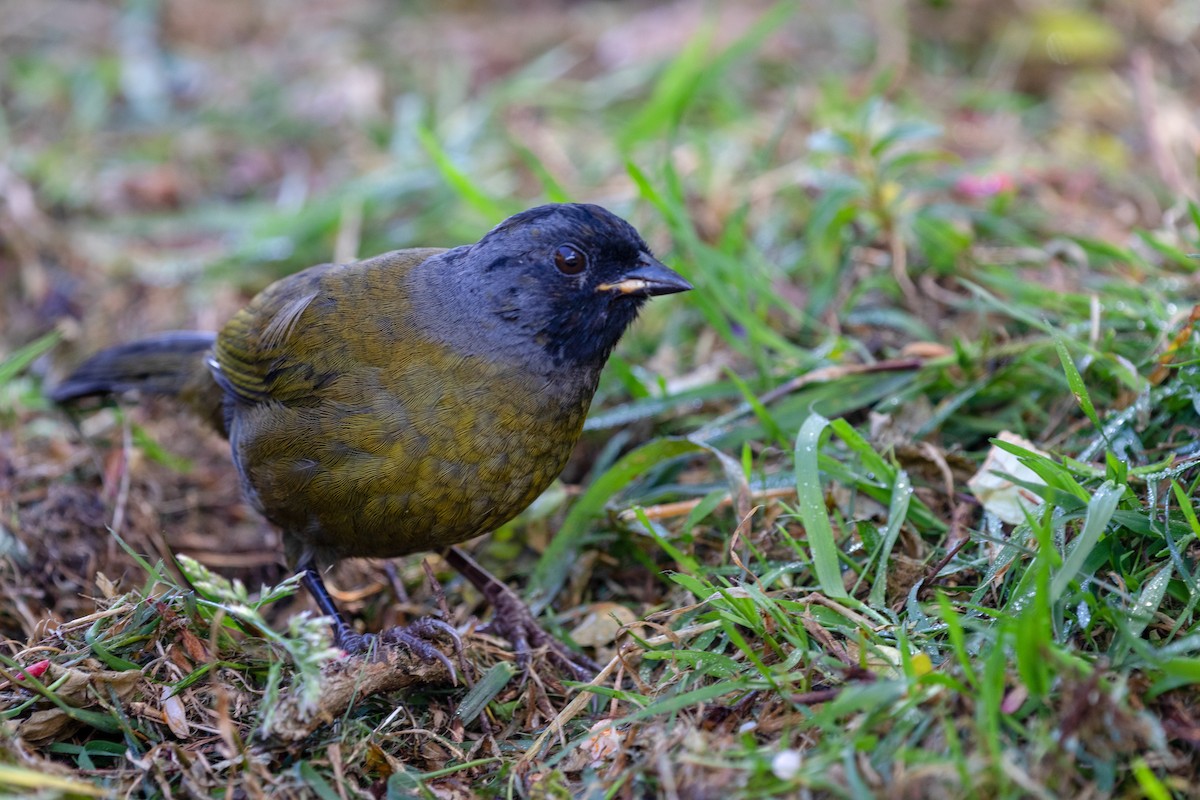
<point x="515" y="622"/>
<point x="417" y="636"/>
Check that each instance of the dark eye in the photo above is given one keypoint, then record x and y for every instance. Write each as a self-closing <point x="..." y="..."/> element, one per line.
<point x="569" y="260"/>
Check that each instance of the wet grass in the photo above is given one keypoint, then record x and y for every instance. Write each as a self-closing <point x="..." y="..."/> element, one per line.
<point x="767" y="537"/>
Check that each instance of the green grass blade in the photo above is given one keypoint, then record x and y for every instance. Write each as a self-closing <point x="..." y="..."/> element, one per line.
<point x="466" y="186"/>
<point x="21" y="358"/>
<point x="811" y="504"/>
<point x="902" y="494"/>
<point x="1099" y="513"/>
<point x="554" y="565"/>
<point x="1075" y="382"/>
<point x="485" y="690"/>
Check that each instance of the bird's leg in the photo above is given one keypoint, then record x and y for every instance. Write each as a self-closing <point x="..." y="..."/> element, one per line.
<point x="514" y="621"/>
<point x="416" y="636"/>
<point x="344" y="636"/>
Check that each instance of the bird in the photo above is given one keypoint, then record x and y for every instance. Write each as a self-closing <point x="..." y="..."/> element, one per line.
<point x="408" y="402"/>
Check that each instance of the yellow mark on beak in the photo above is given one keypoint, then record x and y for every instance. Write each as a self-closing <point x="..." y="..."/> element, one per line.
<point x="627" y="286"/>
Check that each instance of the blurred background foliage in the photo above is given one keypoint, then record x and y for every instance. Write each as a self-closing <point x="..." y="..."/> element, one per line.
<point x="991" y="203"/>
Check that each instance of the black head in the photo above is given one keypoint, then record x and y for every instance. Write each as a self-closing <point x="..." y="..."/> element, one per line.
<point x="571" y="277"/>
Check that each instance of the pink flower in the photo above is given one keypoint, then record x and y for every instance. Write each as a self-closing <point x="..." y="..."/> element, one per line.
<point x="980" y="186"/>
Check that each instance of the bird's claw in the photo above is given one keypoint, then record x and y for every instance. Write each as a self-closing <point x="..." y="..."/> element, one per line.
<point x="418" y="636"/>
<point x="515" y="622"/>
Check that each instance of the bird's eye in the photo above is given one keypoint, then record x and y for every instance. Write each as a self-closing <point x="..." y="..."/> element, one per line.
<point x="569" y="260"/>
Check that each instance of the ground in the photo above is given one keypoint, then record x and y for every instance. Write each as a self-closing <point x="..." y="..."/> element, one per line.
<point x="898" y="502"/>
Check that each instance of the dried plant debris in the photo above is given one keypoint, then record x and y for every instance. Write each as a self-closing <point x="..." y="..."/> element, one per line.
<point x="899" y="502"/>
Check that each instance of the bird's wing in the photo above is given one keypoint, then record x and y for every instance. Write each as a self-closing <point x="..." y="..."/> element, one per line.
<point x="303" y="330"/>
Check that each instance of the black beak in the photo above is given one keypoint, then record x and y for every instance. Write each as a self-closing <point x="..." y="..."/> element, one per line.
<point x="649" y="277"/>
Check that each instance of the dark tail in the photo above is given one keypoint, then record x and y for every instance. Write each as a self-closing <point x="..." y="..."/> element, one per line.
<point x="171" y="363"/>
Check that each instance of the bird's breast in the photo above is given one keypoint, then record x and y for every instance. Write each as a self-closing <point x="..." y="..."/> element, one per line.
<point x="414" y="455"/>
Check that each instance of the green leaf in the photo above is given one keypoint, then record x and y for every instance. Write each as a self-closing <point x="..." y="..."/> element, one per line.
<point x="1148" y="600"/>
<point x="1173" y="255"/>
<point x="1075" y="382"/>
<point x="673" y="703"/>
<point x="811" y="505"/>
<point x="1099" y="513"/>
<point x="157" y="453"/>
<point x="21" y="358"/>
<point x="462" y="183"/>
<point x="942" y="242"/>
<point x="1152" y="788"/>
<point x="904" y="133"/>
<point x="554" y="565"/>
<point x="485" y="690"/>
<point x="320" y="787"/>
<point x="902" y="493"/>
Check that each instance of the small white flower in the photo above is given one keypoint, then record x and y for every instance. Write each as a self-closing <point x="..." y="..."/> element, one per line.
<point x="786" y="764"/>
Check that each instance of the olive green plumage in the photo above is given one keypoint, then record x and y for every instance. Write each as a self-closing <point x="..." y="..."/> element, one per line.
<point x="397" y="442"/>
<point x="413" y="400"/>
